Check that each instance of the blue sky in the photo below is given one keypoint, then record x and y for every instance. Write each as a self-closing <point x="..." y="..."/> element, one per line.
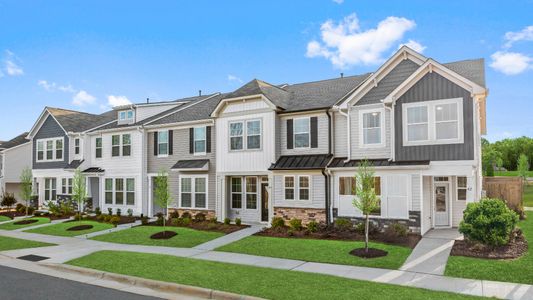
<point x="84" y="56"/>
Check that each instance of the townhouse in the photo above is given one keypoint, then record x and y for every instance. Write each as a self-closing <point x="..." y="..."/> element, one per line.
<point x="14" y="156"/>
<point x="292" y="151"/>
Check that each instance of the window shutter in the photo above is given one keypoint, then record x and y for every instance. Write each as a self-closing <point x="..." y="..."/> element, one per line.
<point x="208" y="139"/>
<point x="170" y="142"/>
<point x="155" y="144"/>
<point x="191" y="140"/>
<point x="289" y="134"/>
<point x="314" y="132"/>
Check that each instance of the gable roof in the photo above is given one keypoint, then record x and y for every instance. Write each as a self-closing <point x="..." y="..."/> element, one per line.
<point x="76" y="121"/>
<point x="472" y="69"/>
<point x="195" y="111"/>
<point x="16" y="141"/>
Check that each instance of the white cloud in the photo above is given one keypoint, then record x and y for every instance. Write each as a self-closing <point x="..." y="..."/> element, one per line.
<point x="117" y="100"/>
<point x="52" y="87"/>
<point x="338" y="1"/>
<point x="82" y="98"/>
<point x="10" y="64"/>
<point x="234" y="78"/>
<point x="511" y="63"/>
<point x="49" y="86"/>
<point x="346" y="44"/>
<point x="414" y="45"/>
<point x="525" y="34"/>
<point x="66" y="88"/>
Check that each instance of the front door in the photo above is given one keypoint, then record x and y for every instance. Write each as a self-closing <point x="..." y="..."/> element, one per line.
<point x="264" y="202"/>
<point x="441" y="205"/>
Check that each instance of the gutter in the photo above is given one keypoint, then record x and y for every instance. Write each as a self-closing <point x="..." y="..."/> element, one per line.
<point x="326" y="172"/>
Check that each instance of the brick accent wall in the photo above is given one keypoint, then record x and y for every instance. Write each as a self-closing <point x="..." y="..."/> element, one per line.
<point x="305" y="214"/>
<point x="413" y="223"/>
<point x="208" y="213"/>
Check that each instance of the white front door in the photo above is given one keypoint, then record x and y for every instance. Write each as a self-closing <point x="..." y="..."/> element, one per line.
<point x="441" y="206"/>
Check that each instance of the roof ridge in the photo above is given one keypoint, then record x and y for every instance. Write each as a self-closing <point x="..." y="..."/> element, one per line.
<point x="329" y="79"/>
<point x="71" y="110"/>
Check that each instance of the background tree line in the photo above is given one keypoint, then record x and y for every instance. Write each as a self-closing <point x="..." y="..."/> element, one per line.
<point x="511" y="154"/>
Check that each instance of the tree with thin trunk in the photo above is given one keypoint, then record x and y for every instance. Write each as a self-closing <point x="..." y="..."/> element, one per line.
<point x="79" y="190"/>
<point x="366" y="199"/>
<point x="523" y="167"/>
<point x="162" y="194"/>
<point x="26" y="178"/>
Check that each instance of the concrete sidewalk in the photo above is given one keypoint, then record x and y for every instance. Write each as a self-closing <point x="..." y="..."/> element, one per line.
<point x="115" y="229"/>
<point x="229" y="238"/>
<point x="43" y="225"/>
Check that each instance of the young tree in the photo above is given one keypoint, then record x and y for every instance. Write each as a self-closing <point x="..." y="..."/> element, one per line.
<point x="366" y="199"/>
<point x="523" y="167"/>
<point x="162" y="194"/>
<point x="79" y="189"/>
<point x="26" y="178"/>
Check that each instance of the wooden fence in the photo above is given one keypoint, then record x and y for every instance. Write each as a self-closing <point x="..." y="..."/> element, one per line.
<point x="509" y="189"/>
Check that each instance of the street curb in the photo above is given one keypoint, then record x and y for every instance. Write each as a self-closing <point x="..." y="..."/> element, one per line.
<point x="159" y="286"/>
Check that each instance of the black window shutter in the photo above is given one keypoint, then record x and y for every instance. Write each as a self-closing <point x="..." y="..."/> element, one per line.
<point x="155" y="143"/>
<point x="289" y="134"/>
<point x="314" y="132"/>
<point x="191" y="140"/>
<point x="208" y="139"/>
<point x="170" y="142"/>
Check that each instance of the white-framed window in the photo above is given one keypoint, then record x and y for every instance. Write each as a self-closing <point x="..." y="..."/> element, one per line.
<point x="162" y="143"/>
<point x="126" y="144"/>
<point x="77" y="146"/>
<point x="433" y="122"/>
<point x="372" y="128"/>
<point x="125" y="115"/>
<point x="302" y="132"/>
<point x="50" y="150"/>
<point x="251" y="192"/>
<point x="347" y="186"/>
<point x="297" y="187"/>
<point x="461" y="188"/>
<point x="115" y="145"/>
<point x="200" y="140"/>
<point x="236" y="192"/>
<point x="251" y="129"/>
<point x="108" y="188"/>
<point x="98" y="147"/>
<point x="118" y="191"/>
<point x="66" y="186"/>
<point x="121" y="145"/>
<point x="193" y="192"/>
<point x="50" y="189"/>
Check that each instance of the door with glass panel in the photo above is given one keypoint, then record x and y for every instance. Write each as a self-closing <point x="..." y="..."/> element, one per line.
<point x="441" y="204"/>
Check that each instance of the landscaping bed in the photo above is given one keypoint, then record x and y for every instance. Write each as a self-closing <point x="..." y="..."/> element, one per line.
<point x="72" y="228"/>
<point x="117" y="221"/>
<point x="12" y="214"/>
<point x="8" y="243"/>
<point x="204" y="226"/>
<point x="13" y="225"/>
<point x="516" y="248"/>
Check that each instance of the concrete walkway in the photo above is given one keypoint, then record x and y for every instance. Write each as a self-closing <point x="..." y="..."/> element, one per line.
<point x="42" y="225"/>
<point x="70" y="248"/>
<point x="114" y="229"/>
<point x="229" y="238"/>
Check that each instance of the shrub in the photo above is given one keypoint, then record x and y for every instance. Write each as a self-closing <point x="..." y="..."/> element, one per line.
<point x="107" y="218"/>
<point x="174" y="214"/>
<point x="489" y="222"/>
<point x="54" y="209"/>
<point x="343" y="224"/>
<point x="186" y="221"/>
<point x="211" y="226"/>
<point x="119" y="212"/>
<point x="114" y="220"/>
<point x="30" y="210"/>
<point x="109" y="211"/>
<point x="238" y="221"/>
<point x="66" y="208"/>
<point x="372" y="229"/>
<point x="186" y="215"/>
<point x="174" y="221"/>
<point x="312" y="226"/>
<point x="144" y="220"/>
<point x="399" y="229"/>
<point x="160" y="219"/>
<point x="278" y="222"/>
<point x="98" y="211"/>
<point x="295" y="224"/>
<point x="8" y="199"/>
<point x="130" y="212"/>
<point x="199" y="217"/>
<point x="213" y="220"/>
<point x="227" y="221"/>
<point x="78" y="217"/>
<point x="100" y="218"/>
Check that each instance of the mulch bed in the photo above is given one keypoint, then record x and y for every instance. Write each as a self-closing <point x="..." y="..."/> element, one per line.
<point x="163" y="235"/>
<point x="206" y="226"/>
<point x="516" y="248"/>
<point x="342" y="235"/>
<point x="123" y="219"/>
<point x="12" y="214"/>
<point x="25" y="222"/>
<point x="80" y="228"/>
<point x="372" y="253"/>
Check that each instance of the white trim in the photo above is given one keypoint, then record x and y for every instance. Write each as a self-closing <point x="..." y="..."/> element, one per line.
<point x="381" y="144"/>
<point x="54" y="149"/>
<point x="159" y="143"/>
<point x="194" y="141"/>
<point x="244" y="134"/>
<point x="222" y="104"/>
<point x="193" y="191"/>
<point x="296" y="188"/>
<point x="37" y="126"/>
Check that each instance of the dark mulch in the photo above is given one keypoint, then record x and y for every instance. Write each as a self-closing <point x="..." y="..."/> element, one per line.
<point x="80" y="228"/>
<point x="25" y="222"/>
<point x="516" y="248"/>
<point x="372" y="253"/>
<point x="331" y="233"/>
<point x="12" y="214"/>
<point x="123" y="219"/>
<point x="163" y="235"/>
<point x="205" y="226"/>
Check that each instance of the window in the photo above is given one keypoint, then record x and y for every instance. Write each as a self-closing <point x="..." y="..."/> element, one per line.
<point x="199" y="139"/>
<point x="125" y="115"/>
<point x="119" y="191"/>
<point x="108" y="191"/>
<point x="253" y="135"/>
<point x="236" y="135"/>
<point x="433" y="122"/>
<point x="162" y="142"/>
<point x="303" y="187"/>
<point x="115" y="145"/>
<point x="251" y="192"/>
<point x="50" y="150"/>
<point x="377" y="190"/>
<point x="289" y="187"/>
<point x="194" y="191"/>
<point x="130" y="191"/>
<point x="236" y="192"/>
<point x="126" y="145"/>
<point x="50" y="189"/>
<point x="66" y="186"/>
<point x="76" y="146"/>
<point x="297" y="187"/>
<point x="461" y="188"/>
<point x="302" y="133"/>
<point x="121" y="142"/>
<point x="98" y="147"/>
<point x="347" y="186"/>
<point x="371" y="128"/>
<point x="129" y="115"/>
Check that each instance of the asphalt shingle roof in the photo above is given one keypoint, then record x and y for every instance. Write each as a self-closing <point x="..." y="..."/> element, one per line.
<point x="76" y="121"/>
<point x="192" y="112"/>
<point x="16" y="141"/>
<point x="472" y="69"/>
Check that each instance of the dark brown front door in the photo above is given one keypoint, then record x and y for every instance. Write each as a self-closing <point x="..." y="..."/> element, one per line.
<point x="264" y="202"/>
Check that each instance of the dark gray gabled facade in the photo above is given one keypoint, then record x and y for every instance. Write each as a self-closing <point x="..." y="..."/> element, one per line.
<point x="50" y="129"/>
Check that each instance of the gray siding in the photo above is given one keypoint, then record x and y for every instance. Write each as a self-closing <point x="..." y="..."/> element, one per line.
<point x="323" y="146"/>
<point x="360" y="152"/>
<point x="340" y="134"/>
<point x="50" y="129"/>
<point x="416" y="198"/>
<point x="434" y="87"/>
<point x="181" y="152"/>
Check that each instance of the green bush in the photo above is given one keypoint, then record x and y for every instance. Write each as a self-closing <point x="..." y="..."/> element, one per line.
<point x="174" y="214"/>
<point x="144" y="220"/>
<point x="114" y="220"/>
<point x="227" y="221"/>
<point x="97" y="211"/>
<point x="109" y="211"/>
<point x="278" y="222"/>
<point x="186" y="221"/>
<point x="238" y="221"/>
<point x="489" y="222"/>
<point x="107" y="218"/>
<point x="100" y="218"/>
<point x="312" y="226"/>
<point x="343" y="224"/>
<point x="213" y="220"/>
<point x="399" y="229"/>
<point x="8" y="199"/>
<point x="174" y="221"/>
<point x="186" y="215"/>
<point x="130" y="212"/>
<point x="119" y="212"/>
<point x="295" y="224"/>
<point x="372" y="229"/>
<point x="199" y="217"/>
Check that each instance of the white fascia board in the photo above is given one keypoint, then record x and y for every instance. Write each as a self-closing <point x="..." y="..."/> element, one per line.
<point x="223" y="103"/>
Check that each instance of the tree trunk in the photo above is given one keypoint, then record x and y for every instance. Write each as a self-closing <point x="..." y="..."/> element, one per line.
<point x="366" y="232"/>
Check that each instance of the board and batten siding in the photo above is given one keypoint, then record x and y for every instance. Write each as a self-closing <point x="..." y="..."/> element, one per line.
<point x="16" y="160"/>
<point x="340" y="135"/>
<point x="359" y="152"/>
<point x="416" y="197"/>
<point x="50" y="129"/>
<point x="435" y="87"/>
<point x="322" y="135"/>
<point x="317" y="192"/>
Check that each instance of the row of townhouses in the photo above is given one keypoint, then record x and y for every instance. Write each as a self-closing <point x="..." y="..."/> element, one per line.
<point x="288" y="150"/>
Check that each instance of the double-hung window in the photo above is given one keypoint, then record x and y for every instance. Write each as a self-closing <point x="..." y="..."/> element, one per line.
<point x="118" y="191"/>
<point x="347" y="186"/>
<point x="236" y="133"/>
<point x="253" y="134"/>
<point x="236" y="192"/>
<point x="302" y="135"/>
<point x="76" y="146"/>
<point x="461" y="188"/>
<point x="66" y="186"/>
<point x="40" y="150"/>
<point x="162" y="142"/>
<point x="126" y="145"/>
<point x="251" y="192"/>
<point x="200" y="140"/>
<point x="417" y="123"/>
<point x="50" y="189"/>
<point x="98" y="147"/>
<point x="446" y="121"/>
<point x="115" y="145"/>
<point x="251" y="129"/>
<point x="193" y="191"/>
<point x="125" y="115"/>
<point x="121" y="145"/>
<point x="109" y="191"/>
<point x="371" y="128"/>
<point x="50" y="150"/>
<point x="297" y="187"/>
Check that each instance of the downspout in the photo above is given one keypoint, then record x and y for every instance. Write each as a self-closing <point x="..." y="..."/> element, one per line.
<point x="324" y="172"/>
<point x="347" y="115"/>
<point x="393" y="131"/>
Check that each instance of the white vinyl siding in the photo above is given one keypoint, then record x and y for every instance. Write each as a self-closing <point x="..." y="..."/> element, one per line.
<point x="316" y="191"/>
<point x="357" y="147"/>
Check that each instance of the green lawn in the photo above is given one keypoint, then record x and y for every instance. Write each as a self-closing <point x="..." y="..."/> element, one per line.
<point x="4" y="218"/>
<point x="60" y="229"/>
<point x="140" y="235"/>
<point x="7" y="243"/>
<point x="511" y="173"/>
<point x="254" y="281"/>
<point x="518" y="270"/>
<point x="528" y="195"/>
<point x="326" y="251"/>
<point x="11" y="226"/>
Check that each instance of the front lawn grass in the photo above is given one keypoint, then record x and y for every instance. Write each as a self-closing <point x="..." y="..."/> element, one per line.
<point x="8" y="243"/>
<point x="4" y="218"/>
<point x="12" y="226"/>
<point x="325" y="251"/>
<point x="254" y="281"/>
<point x="511" y="173"/>
<point x="60" y="229"/>
<point x="527" y="197"/>
<point x="517" y="270"/>
<point x="140" y="235"/>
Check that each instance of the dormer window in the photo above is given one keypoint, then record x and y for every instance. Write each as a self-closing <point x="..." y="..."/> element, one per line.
<point x="125" y="115"/>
